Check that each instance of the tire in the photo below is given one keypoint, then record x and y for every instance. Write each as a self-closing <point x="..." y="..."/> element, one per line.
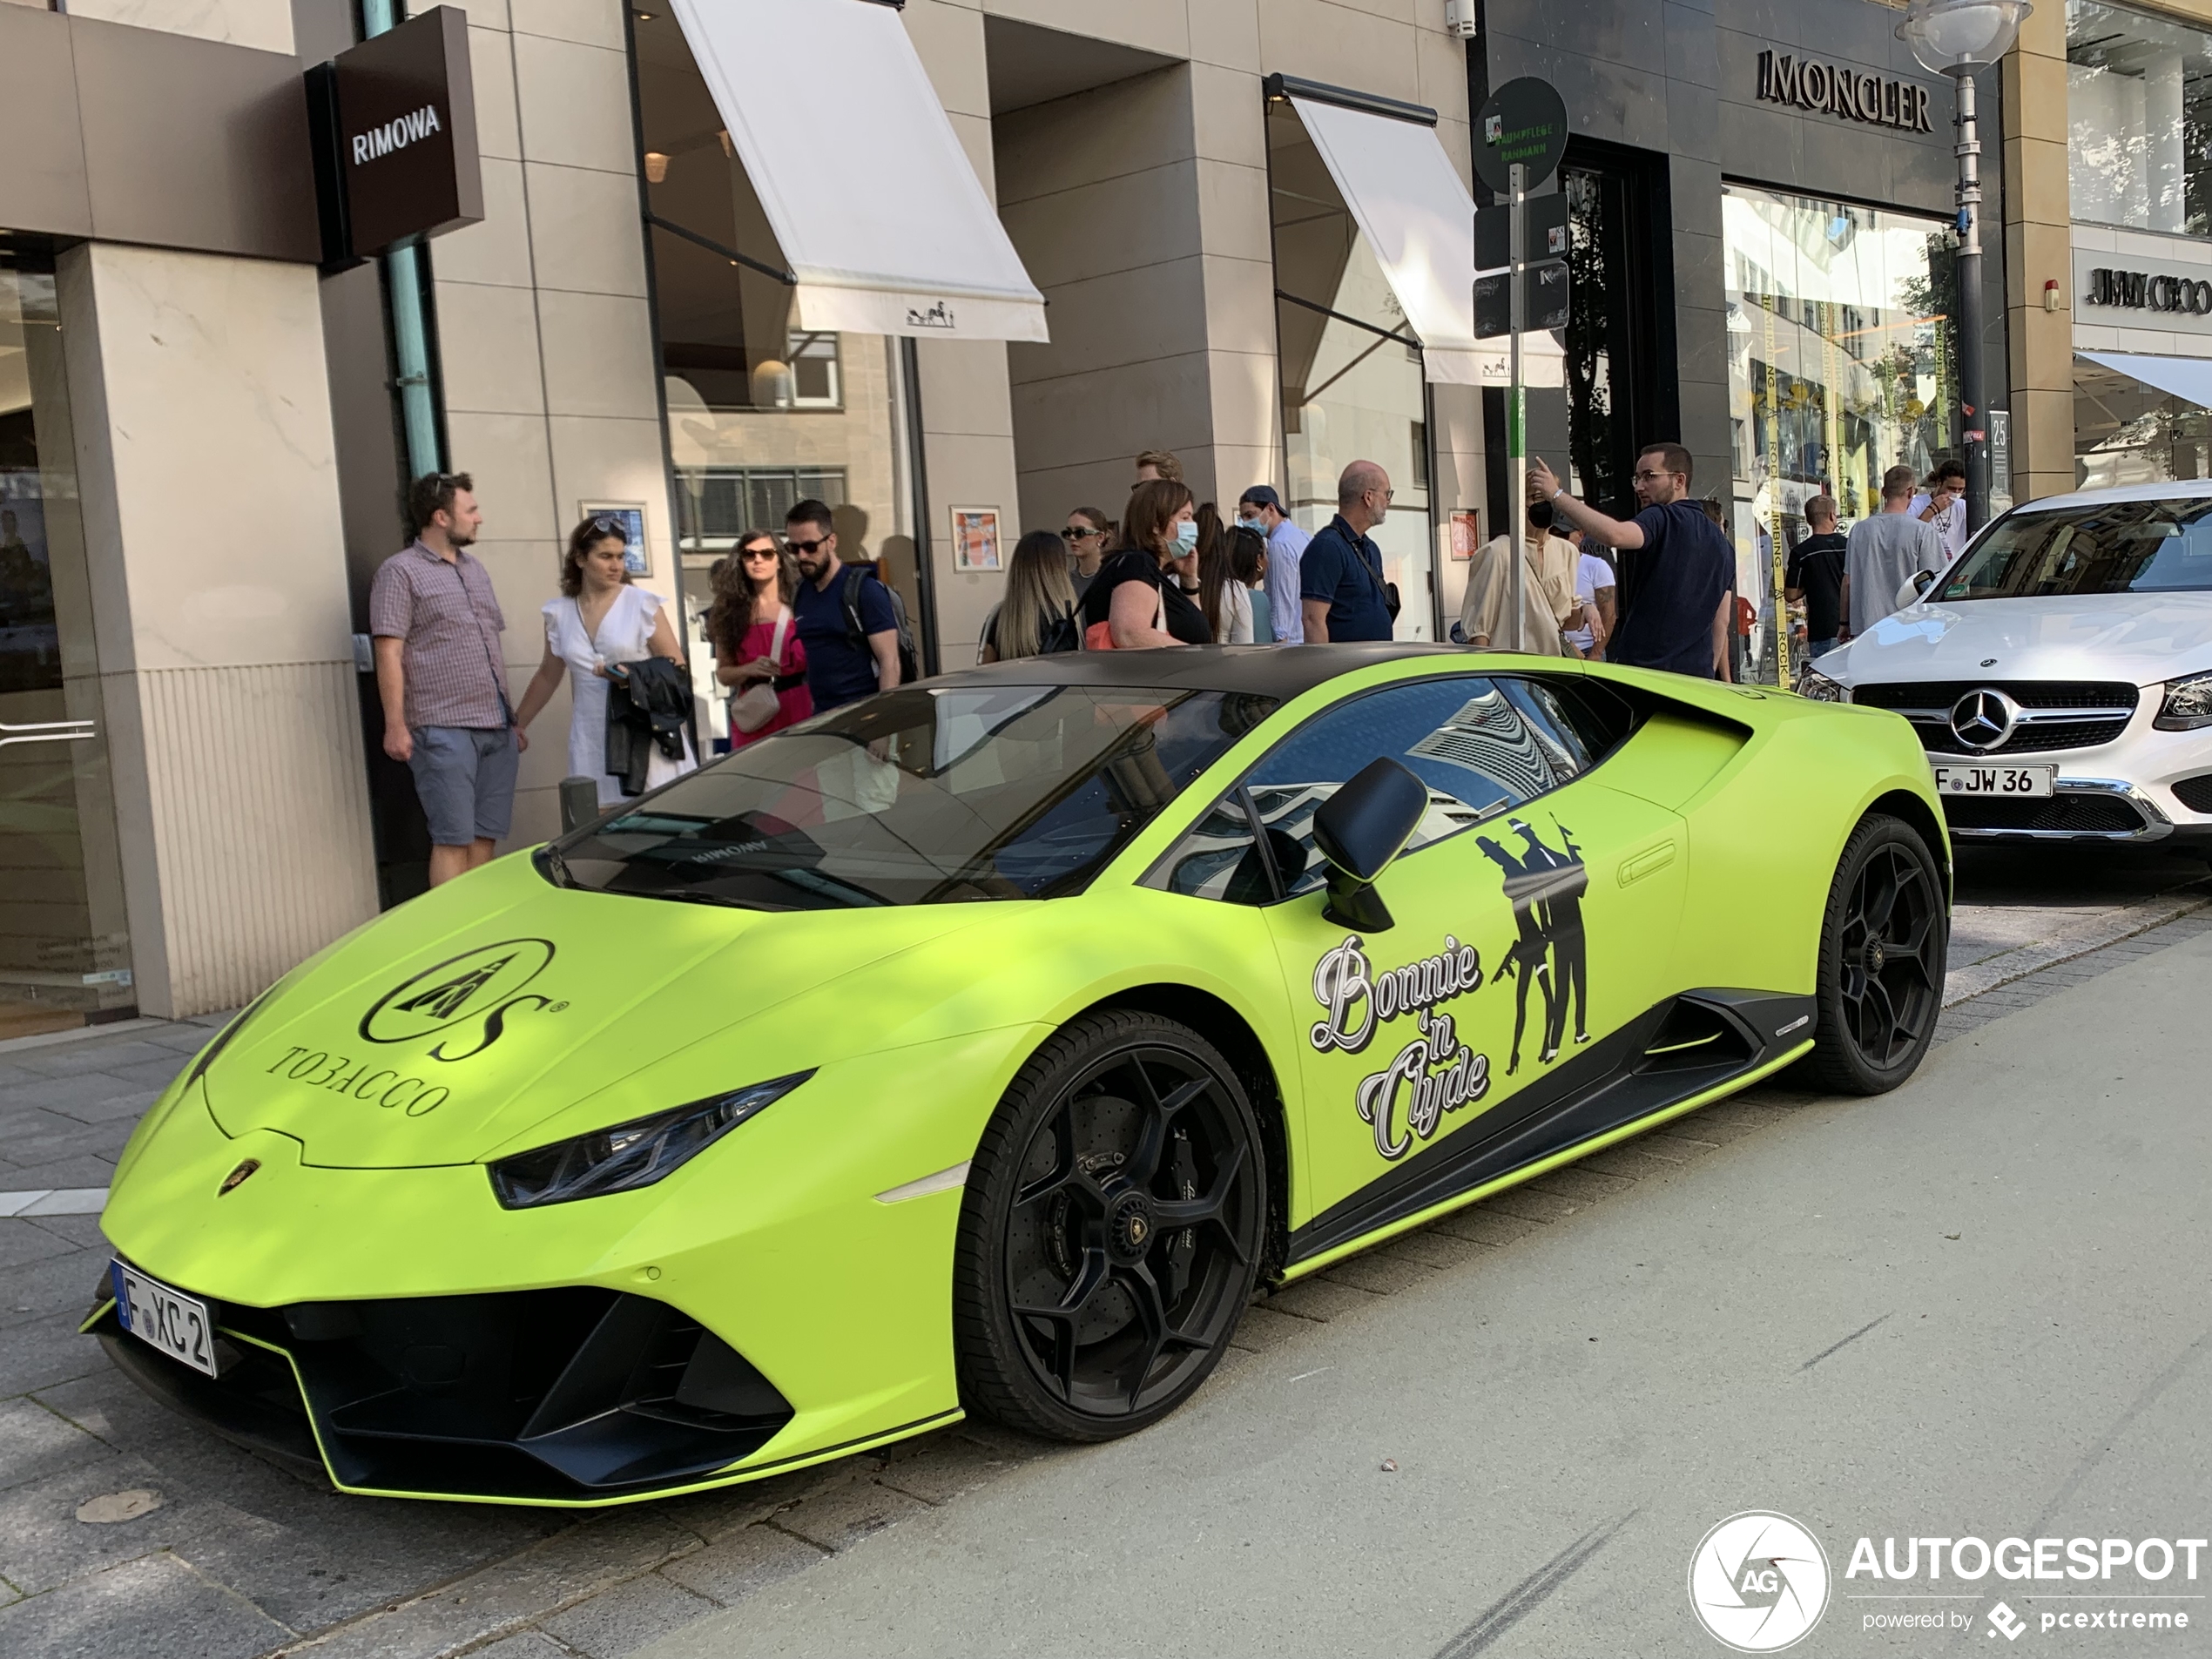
<point x="1883" y="944"/>
<point x="1110" y="1232"/>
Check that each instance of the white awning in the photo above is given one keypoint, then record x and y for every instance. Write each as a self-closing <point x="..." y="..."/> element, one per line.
<point x="2186" y="378"/>
<point x="872" y="201"/>
<point x="1418" y="219"/>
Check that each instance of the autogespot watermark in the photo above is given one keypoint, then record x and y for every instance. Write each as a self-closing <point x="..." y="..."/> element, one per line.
<point x="1759" y="1583"/>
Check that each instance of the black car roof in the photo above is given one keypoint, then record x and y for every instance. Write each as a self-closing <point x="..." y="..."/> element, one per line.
<point x="1279" y="672"/>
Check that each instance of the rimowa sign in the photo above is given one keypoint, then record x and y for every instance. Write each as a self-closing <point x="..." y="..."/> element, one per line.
<point x="398" y="121"/>
<point x="1837" y="89"/>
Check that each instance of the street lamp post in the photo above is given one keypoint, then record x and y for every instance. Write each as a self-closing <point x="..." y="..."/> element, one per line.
<point x="1956" y="38"/>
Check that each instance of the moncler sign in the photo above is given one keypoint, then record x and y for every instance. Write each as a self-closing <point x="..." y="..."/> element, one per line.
<point x="396" y="135"/>
<point x="399" y="124"/>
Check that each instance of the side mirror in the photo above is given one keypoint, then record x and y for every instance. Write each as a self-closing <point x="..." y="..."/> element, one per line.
<point x="1915" y="588"/>
<point x="1359" y="830"/>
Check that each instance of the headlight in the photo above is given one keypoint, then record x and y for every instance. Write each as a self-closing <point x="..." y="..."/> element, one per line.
<point x="1820" y="688"/>
<point x="2187" y="705"/>
<point x="630" y="1155"/>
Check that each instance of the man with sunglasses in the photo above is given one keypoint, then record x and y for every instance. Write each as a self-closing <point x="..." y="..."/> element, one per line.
<point x="436" y="624"/>
<point x="1342" y="594"/>
<point x="841" y="668"/>
<point x="1675" y="566"/>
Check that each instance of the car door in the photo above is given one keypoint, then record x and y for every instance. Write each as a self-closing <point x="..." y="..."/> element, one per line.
<point x="1533" y="914"/>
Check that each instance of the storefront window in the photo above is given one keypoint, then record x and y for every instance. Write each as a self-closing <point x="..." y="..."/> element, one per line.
<point x="761" y="413"/>
<point x="1350" y="370"/>
<point x="2128" y="433"/>
<point x="65" y="948"/>
<point x="2139" y="110"/>
<point x="1841" y="365"/>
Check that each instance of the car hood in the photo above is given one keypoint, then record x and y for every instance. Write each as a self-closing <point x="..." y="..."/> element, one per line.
<point x="452" y="1025"/>
<point x="2144" y="638"/>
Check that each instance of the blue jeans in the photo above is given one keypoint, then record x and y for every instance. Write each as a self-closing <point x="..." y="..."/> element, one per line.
<point x="1820" y="647"/>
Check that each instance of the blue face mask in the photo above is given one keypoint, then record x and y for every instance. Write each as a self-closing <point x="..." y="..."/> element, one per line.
<point x="1186" y="535"/>
<point x="1252" y="524"/>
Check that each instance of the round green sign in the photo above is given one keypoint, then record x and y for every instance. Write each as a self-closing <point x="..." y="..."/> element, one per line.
<point x="1523" y="121"/>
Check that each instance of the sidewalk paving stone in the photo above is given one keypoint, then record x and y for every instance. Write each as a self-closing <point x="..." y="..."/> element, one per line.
<point x="157" y="1606"/>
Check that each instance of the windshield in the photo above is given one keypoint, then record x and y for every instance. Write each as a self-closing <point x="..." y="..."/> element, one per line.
<point x="918" y="796"/>
<point x="2115" y="547"/>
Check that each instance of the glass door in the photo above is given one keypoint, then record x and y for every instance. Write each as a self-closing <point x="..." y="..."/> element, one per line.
<point x="64" y="946"/>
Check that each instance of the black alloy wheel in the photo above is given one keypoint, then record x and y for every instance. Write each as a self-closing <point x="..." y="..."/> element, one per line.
<point x="1111" y="1230"/>
<point x="1883" y="946"/>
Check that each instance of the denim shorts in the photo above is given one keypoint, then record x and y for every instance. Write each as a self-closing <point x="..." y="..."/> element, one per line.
<point x="464" y="776"/>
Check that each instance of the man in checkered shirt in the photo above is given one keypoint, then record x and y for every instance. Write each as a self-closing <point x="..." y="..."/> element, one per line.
<point x="437" y="624"/>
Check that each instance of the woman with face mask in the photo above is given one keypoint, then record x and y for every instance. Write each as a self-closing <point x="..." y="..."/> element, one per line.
<point x="1141" y="597"/>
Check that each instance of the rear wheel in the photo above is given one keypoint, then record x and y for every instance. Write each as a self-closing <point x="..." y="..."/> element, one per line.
<point x="1110" y="1232"/>
<point x="1882" y="949"/>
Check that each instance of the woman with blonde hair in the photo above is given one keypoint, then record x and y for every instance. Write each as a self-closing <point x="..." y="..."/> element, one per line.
<point x="1037" y="616"/>
<point x="1141" y="599"/>
<point x="757" y="649"/>
<point x="602" y="619"/>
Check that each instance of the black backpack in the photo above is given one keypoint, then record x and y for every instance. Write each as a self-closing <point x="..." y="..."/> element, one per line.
<point x="1063" y="632"/>
<point x="909" y="662"/>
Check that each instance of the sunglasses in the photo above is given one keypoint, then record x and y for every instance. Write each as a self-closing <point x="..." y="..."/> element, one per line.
<point x="807" y="547"/>
<point x="1072" y="534"/>
<point x="603" y="525"/>
<point x="751" y="553"/>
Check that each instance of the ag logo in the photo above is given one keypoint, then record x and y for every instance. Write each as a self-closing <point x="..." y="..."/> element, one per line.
<point x="476" y="989"/>
<point x="1759" y="1582"/>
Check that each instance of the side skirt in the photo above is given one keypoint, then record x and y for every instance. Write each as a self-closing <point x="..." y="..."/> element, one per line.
<point x="1685" y="1052"/>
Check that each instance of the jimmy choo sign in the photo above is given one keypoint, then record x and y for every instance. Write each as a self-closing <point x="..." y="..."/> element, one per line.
<point x="1839" y="89"/>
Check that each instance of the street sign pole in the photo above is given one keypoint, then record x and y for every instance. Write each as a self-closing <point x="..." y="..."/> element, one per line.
<point x="1516" y="407"/>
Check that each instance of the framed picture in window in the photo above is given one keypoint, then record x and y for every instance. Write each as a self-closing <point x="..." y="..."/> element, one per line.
<point x="976" y="539"/>
<point x="1466" y="533"/>
<point x="628" y="516"/>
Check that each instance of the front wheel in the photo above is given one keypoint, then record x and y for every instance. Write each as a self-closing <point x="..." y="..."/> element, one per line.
<point x="1883" y="944"/>
<point x="1110" y="1232"/>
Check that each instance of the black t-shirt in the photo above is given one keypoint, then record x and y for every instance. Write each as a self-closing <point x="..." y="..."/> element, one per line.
<point x="1670" y="589"/>
<point x="1184" y="620"/>
<point x="1817" y="567"/>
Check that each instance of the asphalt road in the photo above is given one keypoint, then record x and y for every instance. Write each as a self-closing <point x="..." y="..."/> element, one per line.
<point x="1979" y="1305"/>
<point x="1766" y="1229"/>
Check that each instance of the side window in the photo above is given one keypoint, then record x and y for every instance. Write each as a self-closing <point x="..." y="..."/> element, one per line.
<point x="1483" y="746"/>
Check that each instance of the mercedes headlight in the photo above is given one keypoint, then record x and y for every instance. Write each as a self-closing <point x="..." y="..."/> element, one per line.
<point x="1820" y="688"/>
<point x="2187" y="705"/>
<point x="630" y="1155"/>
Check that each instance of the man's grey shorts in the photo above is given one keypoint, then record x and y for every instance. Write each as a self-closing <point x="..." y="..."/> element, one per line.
<point x="464" y="776"/>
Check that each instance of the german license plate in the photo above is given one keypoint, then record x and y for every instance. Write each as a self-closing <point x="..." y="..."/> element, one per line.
<point x="180" y="1326"/>
<point x="2021" y="782"/>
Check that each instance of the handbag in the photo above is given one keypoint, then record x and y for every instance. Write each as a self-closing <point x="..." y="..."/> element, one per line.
<point x="757" y="704"/>
<point x="1099" y="635"/>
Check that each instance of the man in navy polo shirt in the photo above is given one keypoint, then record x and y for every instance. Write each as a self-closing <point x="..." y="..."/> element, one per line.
<point x="1677" y="568"/>
<point x="839" y="669"/>
<point x="1340" y="573"/>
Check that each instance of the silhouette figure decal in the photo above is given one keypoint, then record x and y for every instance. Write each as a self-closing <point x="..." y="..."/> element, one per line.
<point x="1545" y="889"/>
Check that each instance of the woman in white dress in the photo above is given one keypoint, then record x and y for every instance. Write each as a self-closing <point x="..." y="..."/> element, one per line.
<point x="599" y="620"/>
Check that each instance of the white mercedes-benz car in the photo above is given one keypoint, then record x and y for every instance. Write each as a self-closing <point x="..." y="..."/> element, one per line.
<point x="2059" y="671"/>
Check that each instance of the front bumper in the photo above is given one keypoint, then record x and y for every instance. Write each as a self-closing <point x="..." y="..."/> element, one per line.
<point x="786" y="1249"/>
<point x="577" y="1395"/>
<point x="2083" y="809"/>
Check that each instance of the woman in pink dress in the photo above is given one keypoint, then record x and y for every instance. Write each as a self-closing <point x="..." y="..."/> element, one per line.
<point x="755" y="638"/>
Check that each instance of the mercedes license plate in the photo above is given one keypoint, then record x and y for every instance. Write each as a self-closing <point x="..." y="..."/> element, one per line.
<point x="180" y="1326"/>
<point x="2020" y="782"/>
